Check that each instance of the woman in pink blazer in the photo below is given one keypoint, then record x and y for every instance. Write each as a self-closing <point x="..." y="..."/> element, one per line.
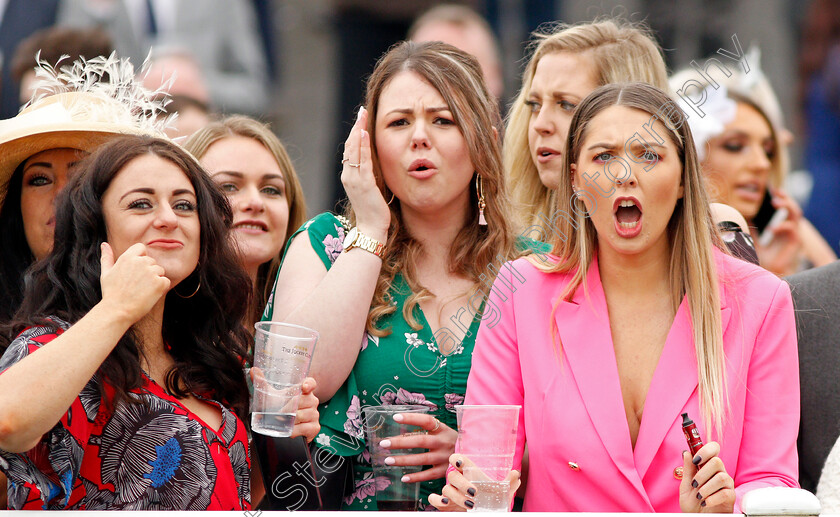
<point x="636" y="317"/>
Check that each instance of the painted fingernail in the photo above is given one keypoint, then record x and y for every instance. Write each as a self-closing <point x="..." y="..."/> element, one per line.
<point x="471" y="491"/>
<point x="390" y="461"/>
<point x="697" y="460"/>
<point x="405" y="479"/>
<point x="364" y="135"/>
<point x="693" y="483"/>
<point x="398" y="417"/>
<point x="359" y="113"/>
<point x="458" y="463"/>
<point x="699" y="496"/>
<point x="385" y="444"/>
<point x="444" y="500"/>
<point x="703" y="504"/>
<point x="469" y="504"/>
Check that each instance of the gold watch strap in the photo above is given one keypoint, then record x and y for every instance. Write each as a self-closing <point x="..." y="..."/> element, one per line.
<point x="369" y="244"/>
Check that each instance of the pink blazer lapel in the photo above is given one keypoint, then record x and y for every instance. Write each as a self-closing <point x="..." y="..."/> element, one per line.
<point x="674" y="382"/>
<point x="584" y="330"/>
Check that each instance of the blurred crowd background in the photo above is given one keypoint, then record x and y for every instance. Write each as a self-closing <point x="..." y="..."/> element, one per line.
<point x="301" y="64"/>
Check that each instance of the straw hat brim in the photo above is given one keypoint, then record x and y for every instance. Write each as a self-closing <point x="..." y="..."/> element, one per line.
<point x="16" y="148"/>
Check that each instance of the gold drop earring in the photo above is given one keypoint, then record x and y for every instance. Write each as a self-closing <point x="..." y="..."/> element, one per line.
<point x="479" y="190"/>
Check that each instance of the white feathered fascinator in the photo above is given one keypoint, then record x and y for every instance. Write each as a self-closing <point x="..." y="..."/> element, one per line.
<point x="81" y="106"/>
<point x="719" y="110"/>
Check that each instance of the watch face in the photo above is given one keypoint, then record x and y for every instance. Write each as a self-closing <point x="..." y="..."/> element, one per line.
<point x="350" y="238"/>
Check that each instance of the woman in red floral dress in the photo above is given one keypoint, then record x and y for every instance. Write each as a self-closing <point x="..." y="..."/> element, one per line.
<point x="124" y="387"/>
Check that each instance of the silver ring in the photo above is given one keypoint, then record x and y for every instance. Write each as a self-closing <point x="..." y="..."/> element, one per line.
<point x="437" y="426"/>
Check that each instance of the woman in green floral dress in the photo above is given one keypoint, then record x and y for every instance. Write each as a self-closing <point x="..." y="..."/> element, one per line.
<point x="397" y="287"/>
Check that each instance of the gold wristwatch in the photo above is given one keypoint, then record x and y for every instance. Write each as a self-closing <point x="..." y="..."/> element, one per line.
<point x="356" y="239"/>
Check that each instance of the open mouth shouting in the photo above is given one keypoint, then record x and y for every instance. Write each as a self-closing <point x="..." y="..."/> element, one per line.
<point x="627" y="212"/>
<point x="422" y="168"/>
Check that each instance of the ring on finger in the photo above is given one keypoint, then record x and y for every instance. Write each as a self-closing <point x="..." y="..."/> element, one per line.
<point x="437" y="426"/>
<point x="356" y="165"/>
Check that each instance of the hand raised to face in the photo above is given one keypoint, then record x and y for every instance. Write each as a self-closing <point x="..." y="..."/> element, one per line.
<point x="132" y="284"/>
<point x="372" y="214"/>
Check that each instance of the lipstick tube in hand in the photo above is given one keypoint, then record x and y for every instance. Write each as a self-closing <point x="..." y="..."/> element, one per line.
<point x="692" y="435"/>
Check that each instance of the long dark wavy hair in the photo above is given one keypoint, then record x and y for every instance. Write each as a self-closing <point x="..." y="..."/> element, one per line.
<point x="204" y="332"/>
<point x="15" y="256"/>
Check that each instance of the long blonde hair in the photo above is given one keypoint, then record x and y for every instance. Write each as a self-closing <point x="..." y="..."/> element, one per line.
<point x="691" y="236"/>
<point x="457" y="76"/>
<point x="240" y="125"/>
<point x="621" y="51"/>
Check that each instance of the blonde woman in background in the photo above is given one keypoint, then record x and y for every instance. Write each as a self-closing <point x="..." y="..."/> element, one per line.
<point x="252" y="167"/>
<point x="743" y="149"/>
<point x="637" y="313"/>
<point x="567" y="63"/>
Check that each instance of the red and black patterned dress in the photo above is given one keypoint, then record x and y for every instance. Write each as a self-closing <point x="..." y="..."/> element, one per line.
<point x="154" y="456"/>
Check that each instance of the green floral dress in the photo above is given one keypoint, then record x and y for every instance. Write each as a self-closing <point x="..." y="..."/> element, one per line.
<point x="405" y="367"/>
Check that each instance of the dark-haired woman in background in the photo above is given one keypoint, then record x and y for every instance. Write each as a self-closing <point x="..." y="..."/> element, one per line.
<point x="41" y="145"/>
<point x="124" y="388"/>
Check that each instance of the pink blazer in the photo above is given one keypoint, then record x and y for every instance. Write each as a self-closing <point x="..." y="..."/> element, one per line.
<point x="573" y="417"/>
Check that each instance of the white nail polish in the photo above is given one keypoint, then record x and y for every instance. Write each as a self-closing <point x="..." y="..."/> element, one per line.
<point x="404" y="479"/>
<point x="390" y="461"/>
<point x="359" y="113"/>
<point x="385" y="444"/>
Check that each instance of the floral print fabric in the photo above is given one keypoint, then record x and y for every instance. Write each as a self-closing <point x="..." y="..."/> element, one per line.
<point x="404" y="367"/>
<point x="150" y="456"/>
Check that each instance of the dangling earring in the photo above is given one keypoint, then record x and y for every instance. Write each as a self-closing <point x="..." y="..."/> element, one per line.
<point x="193" y="293"/>
<point x="479" y="190"/>
<point x="391" y="200"/>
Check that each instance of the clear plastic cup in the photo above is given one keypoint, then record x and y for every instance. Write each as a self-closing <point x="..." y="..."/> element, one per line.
<point x="282" y="355"/>
<point x="391" y="493"/>
<point x="487" y="436"/>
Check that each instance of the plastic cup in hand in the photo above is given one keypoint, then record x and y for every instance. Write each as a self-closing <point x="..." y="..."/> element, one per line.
<point x="282" y="353"/>
<point x="487" y="436"/>
<point x="391" y="493"/>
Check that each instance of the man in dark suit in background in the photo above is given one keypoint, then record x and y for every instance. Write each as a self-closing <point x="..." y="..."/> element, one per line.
<point x="20" y="18"/>
<point x="816" y="299"/>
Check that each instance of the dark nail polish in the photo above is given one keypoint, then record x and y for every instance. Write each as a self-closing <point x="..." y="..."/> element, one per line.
<point x="703" y="504"/>
<point x="699" y="495"/>
<point x="444" y="500"/>
<point x="471" y="491"/>
<point x="469" y="504"/>
<point x="694" y="484"/>
<point x="458" y="463"/>
<point x="697" y="460"/>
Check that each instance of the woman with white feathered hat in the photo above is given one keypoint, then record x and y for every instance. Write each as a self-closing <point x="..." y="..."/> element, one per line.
<point x="75" y="110"/>
<point x="742" y="146"/>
